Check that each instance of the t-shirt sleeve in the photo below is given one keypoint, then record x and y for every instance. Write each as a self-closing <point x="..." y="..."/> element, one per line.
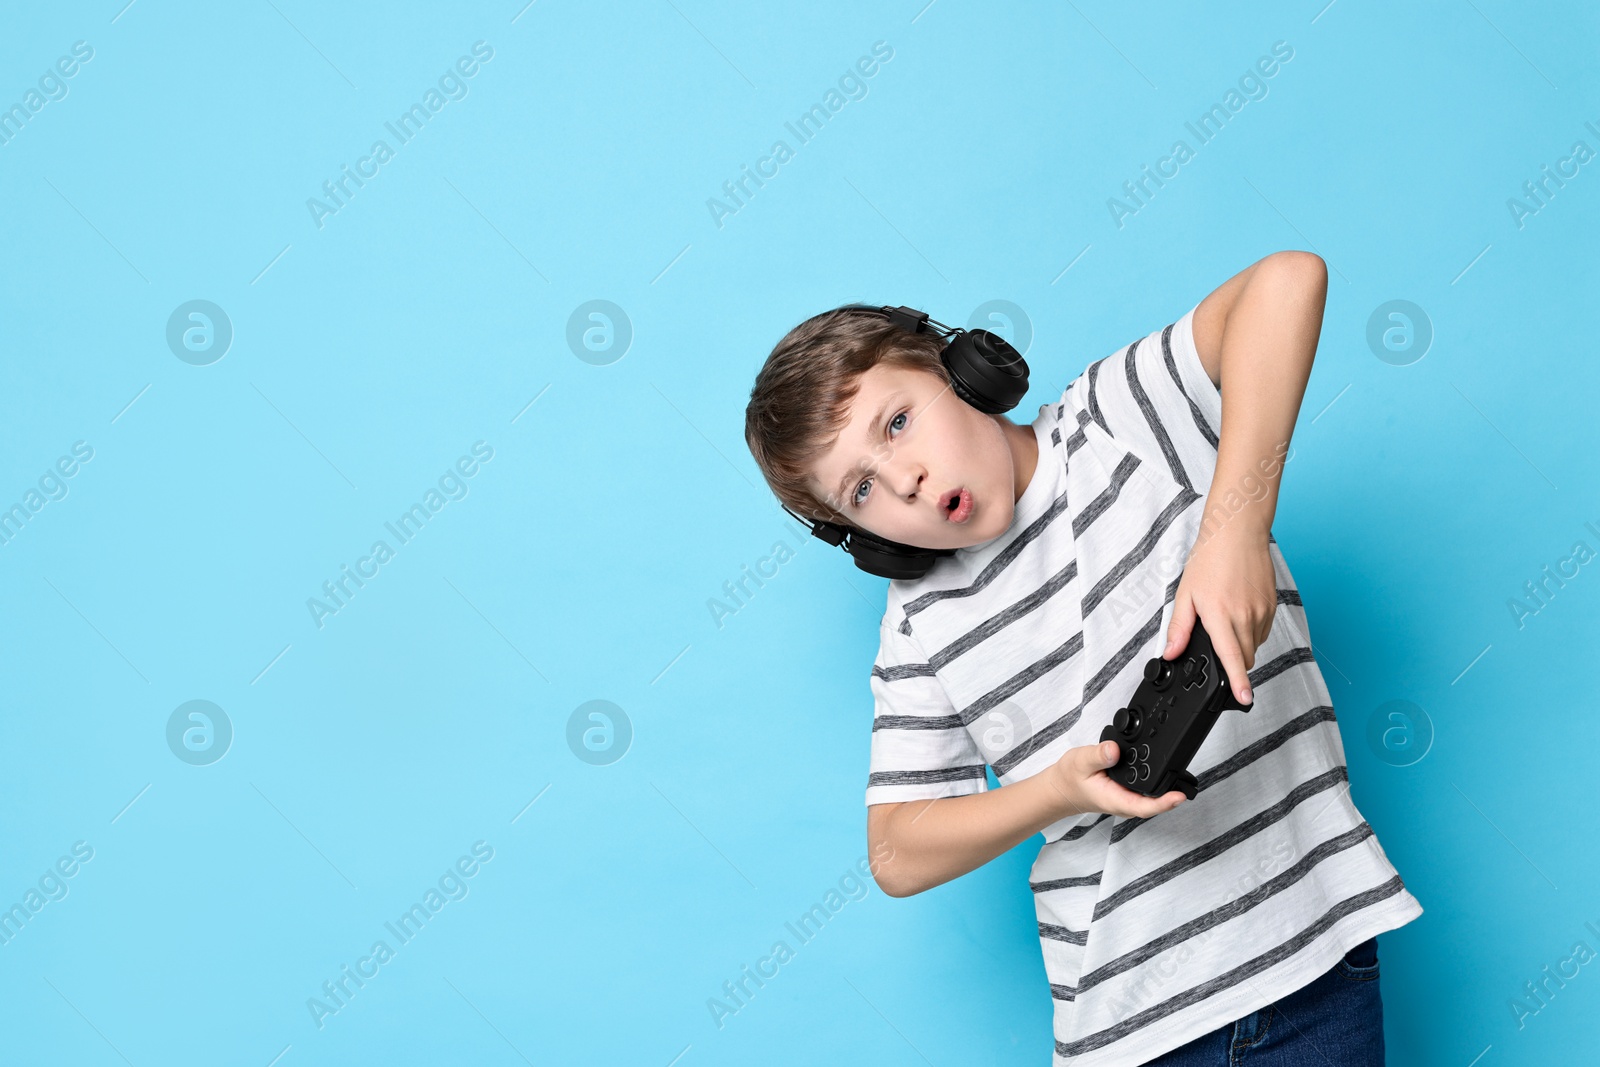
<point x="1155" y="398"/>
<point x="920" y="749"/>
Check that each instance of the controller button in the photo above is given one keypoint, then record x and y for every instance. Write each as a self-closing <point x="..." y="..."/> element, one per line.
<point x="1144" y="771"/>
<point x="1144" y="752"/>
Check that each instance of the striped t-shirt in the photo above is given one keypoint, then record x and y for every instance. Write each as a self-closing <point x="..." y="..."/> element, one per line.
<point x="1010" y="652"/>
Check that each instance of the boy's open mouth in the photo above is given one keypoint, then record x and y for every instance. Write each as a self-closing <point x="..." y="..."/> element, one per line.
<point x="957" y="504"/>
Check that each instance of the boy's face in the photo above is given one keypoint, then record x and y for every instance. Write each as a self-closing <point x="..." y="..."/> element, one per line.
<point x="917" y="464"/>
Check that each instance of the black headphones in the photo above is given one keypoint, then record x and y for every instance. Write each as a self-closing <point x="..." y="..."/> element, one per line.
<point x="986" y="372"/>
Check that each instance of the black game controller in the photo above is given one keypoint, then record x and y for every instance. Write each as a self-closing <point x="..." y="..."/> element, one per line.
<point x="1169" y="716"/>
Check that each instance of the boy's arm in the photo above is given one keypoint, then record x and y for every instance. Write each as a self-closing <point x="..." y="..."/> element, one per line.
<point x="918" y="844"/>
<point x="1256" y="336"/>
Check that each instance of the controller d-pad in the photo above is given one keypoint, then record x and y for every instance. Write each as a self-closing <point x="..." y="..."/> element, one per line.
<point x="1195" y="669"/>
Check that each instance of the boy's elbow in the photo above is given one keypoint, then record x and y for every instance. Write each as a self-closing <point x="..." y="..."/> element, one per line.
<point x="894" y="887"/>
<point x="885" y="873"/>
<point x="888" y="870"/>
<point x="1305" y="268"/>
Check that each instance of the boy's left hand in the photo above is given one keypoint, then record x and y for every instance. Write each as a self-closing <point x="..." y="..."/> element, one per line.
<point x="1229" y="581"/>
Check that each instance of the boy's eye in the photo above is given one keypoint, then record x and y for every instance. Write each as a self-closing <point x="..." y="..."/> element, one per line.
<point x="893" y="423"/>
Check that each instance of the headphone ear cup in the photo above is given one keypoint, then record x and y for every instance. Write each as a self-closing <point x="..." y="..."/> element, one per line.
<point x="986" y="371"/>
<point x="890" y="559"/>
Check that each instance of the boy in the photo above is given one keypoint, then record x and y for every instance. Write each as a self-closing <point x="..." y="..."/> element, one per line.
<point x="1174" y="931"/>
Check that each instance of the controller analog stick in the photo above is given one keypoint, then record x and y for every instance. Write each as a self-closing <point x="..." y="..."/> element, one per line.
<point x="1126" y="721"/>
<point x="1158" y="672"/>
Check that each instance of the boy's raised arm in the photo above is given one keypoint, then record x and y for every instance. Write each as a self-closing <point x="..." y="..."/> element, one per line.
<point x="1256" y="336"/>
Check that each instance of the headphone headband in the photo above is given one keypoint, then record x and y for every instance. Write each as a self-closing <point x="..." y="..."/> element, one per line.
<point x="908" y="319"/>
<point x="985" y="372"/>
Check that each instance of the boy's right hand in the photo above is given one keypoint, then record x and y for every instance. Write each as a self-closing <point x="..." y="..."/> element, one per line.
<point x="1081" y="780"/>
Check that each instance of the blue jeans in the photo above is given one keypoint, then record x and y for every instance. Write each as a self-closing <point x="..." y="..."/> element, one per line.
<point x="1337" y="1019"/>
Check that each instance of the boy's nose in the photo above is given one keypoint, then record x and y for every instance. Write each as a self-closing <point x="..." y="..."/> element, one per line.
<point x="909" y="479"/>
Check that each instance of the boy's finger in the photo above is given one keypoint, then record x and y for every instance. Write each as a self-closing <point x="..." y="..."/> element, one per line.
<point x="1181" y="627"/>
<point x="1089" y="760"/>
<point x="1120" y="800"/>
<point x="1117" y="798"/>
<point x="1099" y="757"/>
<point x="1145" y="807"/>
<point x="1164" y="802"/>
<point x="1226" y="642"/>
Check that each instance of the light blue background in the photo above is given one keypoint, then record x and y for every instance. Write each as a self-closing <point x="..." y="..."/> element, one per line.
<point x="432" y="309"/>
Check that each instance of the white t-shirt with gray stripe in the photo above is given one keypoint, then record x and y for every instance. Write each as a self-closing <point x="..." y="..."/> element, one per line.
<point x="1009" y="653"/>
